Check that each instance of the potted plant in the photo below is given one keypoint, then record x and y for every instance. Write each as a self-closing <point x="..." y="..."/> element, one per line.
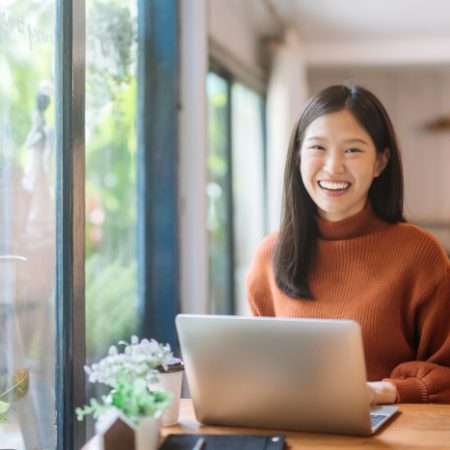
<point x="134" y="376"/>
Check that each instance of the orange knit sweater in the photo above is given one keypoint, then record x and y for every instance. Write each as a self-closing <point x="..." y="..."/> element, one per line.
<point x="394" y="280"/>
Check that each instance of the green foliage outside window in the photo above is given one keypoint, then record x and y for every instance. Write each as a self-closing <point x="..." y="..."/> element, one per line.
<point x="111" y="277"/>
<point x="111" y="298"/>
<point x="217" y="194"/>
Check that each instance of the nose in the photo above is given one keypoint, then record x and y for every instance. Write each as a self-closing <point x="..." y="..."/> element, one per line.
<point x="334" y="163"/>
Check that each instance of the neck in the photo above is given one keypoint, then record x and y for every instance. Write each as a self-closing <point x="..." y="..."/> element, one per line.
<point x="355" y="226"/>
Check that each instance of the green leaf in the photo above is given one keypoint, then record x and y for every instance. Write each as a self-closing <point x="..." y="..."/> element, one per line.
<point x="3" y="407"/>
<point x="15" y="385"/>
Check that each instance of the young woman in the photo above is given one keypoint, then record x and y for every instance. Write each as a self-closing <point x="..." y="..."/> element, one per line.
<point x="344" y="250"/>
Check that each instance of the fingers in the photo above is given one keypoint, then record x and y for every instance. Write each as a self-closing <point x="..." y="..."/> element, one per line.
<point x="381" y="392"/>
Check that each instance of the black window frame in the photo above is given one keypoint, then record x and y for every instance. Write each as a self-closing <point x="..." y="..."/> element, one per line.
<point x="70" y="176"/>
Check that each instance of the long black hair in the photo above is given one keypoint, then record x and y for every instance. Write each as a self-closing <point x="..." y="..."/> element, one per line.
<point x="295" y="252"/>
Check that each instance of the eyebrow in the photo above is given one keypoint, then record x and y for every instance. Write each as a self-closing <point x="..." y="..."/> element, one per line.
<point x="346" y="141"/>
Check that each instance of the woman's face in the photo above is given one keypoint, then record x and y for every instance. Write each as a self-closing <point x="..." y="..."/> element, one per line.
<point x="338" y="164"/>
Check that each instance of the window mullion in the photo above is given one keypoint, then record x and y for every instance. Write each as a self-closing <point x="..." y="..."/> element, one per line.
<point x="70" y="175"/>
<point x="157" y="167"/>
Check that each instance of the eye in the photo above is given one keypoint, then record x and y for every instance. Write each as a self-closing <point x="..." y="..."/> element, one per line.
<point x="313" y="149"/>
<point x="353" y="150"/>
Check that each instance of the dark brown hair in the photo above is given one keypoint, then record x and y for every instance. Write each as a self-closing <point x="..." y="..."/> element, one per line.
<point x="295" y="251"/>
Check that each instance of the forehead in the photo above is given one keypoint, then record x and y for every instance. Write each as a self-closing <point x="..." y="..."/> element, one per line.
<point x="340" y="125"/>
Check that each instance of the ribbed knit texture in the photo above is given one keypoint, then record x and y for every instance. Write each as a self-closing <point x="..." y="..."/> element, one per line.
<point x="394" y="279"/>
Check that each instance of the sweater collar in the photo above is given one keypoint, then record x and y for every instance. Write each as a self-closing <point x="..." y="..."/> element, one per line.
<point x="362" y="223"/>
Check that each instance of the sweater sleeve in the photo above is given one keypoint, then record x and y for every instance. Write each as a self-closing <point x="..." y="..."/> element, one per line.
<point x="427" y="380"/>
<point x="257" y="283"/>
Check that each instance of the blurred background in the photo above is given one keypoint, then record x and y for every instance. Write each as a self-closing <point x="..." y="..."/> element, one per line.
<point x="286" y="50"/>
<point x="244" y="70"/>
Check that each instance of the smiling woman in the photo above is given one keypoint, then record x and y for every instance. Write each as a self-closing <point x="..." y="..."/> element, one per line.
<point x="344" y="250"/>
<point x="334" y="116"/>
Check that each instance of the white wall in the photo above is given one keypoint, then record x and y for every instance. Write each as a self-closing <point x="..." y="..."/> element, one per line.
<point x="382" y="52"/>
<point x="234" y="43"/>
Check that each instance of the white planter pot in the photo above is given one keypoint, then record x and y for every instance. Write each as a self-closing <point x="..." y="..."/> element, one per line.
<point x="116" y="431"/>
<point x="171" y="382"/>
<point x="147" y="435"/>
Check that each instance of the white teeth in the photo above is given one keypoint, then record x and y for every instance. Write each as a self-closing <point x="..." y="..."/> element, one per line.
<point x="333" y="186"/>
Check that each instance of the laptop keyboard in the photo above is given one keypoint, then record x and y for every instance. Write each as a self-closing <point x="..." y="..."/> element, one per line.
<point x="375" y="419"/>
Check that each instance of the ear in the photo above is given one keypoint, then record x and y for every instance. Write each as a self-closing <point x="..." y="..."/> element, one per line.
<point x="382" y="161"/>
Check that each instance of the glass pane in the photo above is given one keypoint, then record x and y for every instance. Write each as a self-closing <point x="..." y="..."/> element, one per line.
<point x="217" y="197"/>
<point x="111" y="280"/>
<point x="248" y="184"/>
<point x="27" y="223"/>
<point x="111" y="276"/>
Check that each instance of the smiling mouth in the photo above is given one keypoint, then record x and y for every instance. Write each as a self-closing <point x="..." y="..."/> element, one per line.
<point x="334" y="186"/>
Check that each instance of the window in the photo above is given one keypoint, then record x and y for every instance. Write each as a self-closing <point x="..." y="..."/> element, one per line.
<point x="111" y="145"/>
<point x="111" y="260"/>
<point x="219" y="201"/>
<point x="47" y="173"/>
<point x="235" y="189"/>
<point x="27" y="220"/>
<point x="248" y="168"/>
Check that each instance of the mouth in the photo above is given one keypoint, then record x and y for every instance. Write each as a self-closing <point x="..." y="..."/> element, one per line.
<point x="334" y="185"/>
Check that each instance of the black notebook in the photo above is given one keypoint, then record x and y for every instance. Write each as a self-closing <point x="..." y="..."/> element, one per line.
<point x="224" y="442"/>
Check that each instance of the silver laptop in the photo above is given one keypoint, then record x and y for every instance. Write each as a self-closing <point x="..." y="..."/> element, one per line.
<point x="288" y="374"/>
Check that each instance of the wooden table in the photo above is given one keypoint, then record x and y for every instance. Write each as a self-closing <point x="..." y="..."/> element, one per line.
<point x="416" y="427"/>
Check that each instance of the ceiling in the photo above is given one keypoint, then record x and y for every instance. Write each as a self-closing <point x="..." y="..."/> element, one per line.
<point x="320" y="20"/>
<point x="404" y="30"/>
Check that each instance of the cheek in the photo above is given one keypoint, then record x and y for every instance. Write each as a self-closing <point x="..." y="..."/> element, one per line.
<point x="364" y="171"/>
<point x="304" y="173"/>
<point x="307" y="169"/>
<point x="376" y="170"/>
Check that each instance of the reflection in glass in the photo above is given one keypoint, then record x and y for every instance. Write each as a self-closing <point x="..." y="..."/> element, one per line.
<point x="27" y="218"/>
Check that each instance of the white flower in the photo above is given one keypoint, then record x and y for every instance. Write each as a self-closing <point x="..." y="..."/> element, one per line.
<point x="112" y="350"/>
<point x="139" y="359"/>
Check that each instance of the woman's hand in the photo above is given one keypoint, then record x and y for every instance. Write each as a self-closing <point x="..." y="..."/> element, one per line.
<point x="381" y="392"/>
